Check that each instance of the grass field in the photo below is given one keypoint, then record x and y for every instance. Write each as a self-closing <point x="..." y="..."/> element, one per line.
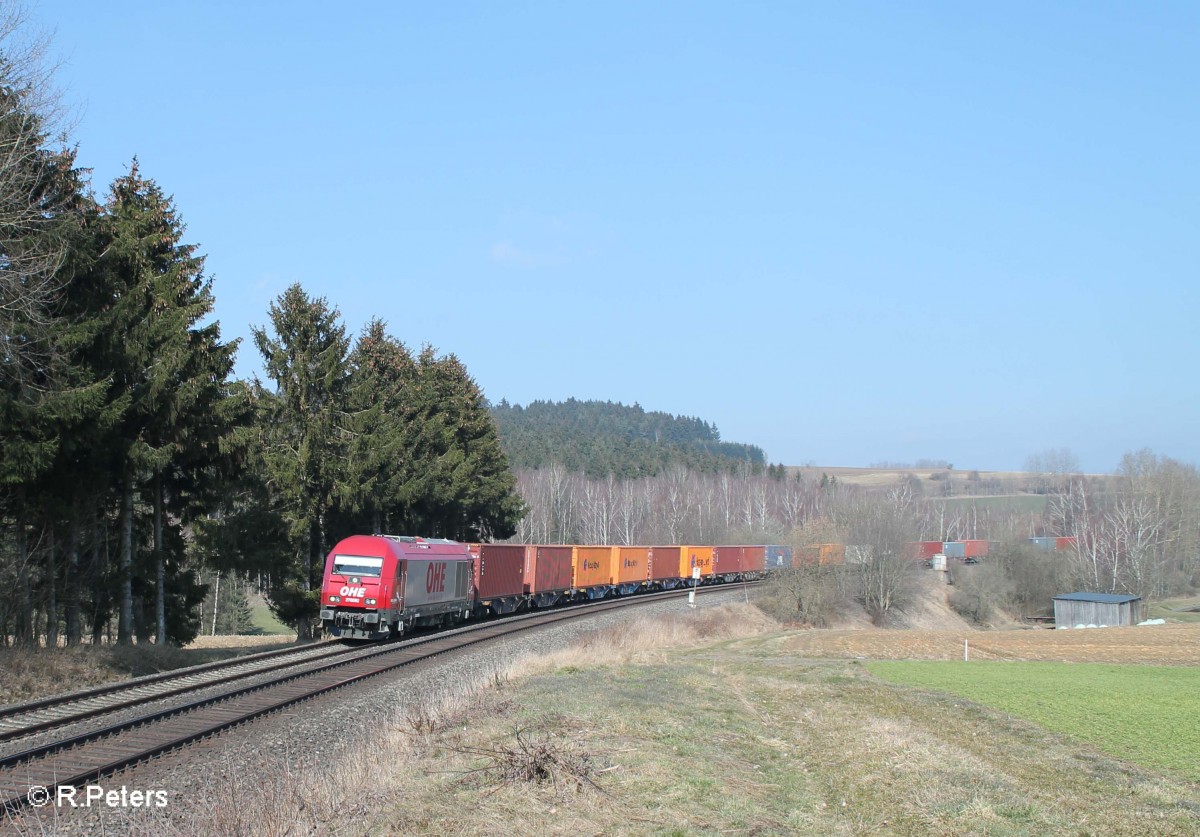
<point x="1176" y="610"/>
<point x="264" y="620"/>
<point x="1146" y="714"/>
<point x="876" y="477"/>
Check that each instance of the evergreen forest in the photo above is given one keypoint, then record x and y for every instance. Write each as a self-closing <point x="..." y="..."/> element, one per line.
<point x="602" y="438"/>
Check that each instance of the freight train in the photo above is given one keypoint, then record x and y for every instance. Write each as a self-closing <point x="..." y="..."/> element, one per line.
<point x="380" y="586"/>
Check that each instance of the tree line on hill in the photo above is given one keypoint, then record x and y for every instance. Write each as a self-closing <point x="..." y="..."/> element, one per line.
<point x="132" y="459"/>
<point x="599" y="438"/>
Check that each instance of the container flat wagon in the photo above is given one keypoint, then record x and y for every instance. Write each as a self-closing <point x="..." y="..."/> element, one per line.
<point x="667" y="565"/>
<point x="727" y="563"/>
<point x="499" y="577"/>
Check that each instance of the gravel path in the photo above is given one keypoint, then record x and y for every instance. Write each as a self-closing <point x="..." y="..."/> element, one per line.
<point x="201" y="778"/>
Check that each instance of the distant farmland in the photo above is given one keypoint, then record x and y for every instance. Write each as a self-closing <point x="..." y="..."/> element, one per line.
<point x="1013" y="481"/>
<point x="1023" y="503"/>
<point x="1018" y="491"/>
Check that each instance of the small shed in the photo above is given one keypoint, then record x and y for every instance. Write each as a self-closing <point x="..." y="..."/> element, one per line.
<point x="1109" y="609"/>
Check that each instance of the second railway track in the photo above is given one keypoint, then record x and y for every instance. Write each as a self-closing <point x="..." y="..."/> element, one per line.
<point x="26" y="719"/>
<point x="77" y="760"/>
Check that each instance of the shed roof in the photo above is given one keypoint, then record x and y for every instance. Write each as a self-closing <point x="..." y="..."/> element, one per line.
<point x="1103" y="598"/>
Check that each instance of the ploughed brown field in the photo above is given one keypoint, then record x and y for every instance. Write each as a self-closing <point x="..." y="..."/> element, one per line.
<point x="1151" y="644"/>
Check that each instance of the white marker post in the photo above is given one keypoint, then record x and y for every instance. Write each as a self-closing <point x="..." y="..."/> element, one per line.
<point x="966" y="651"/>
<point x="692" y="592"/>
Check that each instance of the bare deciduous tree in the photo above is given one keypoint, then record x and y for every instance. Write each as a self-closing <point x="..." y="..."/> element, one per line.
<point x="880" y="528"/>
<point x="32" y="239"/>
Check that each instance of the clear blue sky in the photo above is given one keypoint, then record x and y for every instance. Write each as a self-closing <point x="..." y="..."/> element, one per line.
<point x="846" y="232"/>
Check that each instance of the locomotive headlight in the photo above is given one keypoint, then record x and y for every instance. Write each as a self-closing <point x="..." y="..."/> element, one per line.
<point x="370" y="601"/>
<point x="334" y="599"/>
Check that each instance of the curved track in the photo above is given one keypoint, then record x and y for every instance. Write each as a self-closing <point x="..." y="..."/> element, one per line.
<point x="79" y="759"/>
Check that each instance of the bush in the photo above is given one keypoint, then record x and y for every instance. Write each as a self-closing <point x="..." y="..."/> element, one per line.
<point x="1035" y="576"/>
<point x="808" y="595"/>
<point x="979" y="590"/>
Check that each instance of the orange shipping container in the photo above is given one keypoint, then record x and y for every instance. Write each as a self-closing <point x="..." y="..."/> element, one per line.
<point x="832" y="553"/>
<point x="975" y="549"/>
<point x="820" y="555"/>
<point x="593" y="566"/>
<point x="806" y="556"/>
<point x="632" y="566"/>
<point x="696" y="556"/>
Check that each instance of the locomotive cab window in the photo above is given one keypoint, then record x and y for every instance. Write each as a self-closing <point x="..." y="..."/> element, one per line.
<point x="357" y="565"/>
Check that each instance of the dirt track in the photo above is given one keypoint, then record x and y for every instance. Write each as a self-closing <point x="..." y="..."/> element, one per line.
<point x="1154" y="644"/>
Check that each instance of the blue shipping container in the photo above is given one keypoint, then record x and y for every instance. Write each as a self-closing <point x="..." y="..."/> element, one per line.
<point x="954" y="549"/>
<point x="778" y="557"/>
<point x="1048" y="544"/>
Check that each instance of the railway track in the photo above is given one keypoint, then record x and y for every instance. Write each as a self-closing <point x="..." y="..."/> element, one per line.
<point x="25" y="719"/>
<point x="74" y="761"/>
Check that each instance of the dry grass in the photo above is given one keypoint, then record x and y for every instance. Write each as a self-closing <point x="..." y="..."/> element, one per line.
<point x="647" y="639"/>
<point x="534" y="757"/>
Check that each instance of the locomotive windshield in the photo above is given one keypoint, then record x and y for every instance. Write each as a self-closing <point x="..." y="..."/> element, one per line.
<point x="357" y="565"/>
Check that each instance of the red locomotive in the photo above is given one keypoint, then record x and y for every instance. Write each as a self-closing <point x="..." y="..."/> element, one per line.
<point x="379" y="586"/>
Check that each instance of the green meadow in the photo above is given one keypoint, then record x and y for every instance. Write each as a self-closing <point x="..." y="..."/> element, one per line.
<point x="1149" y="715"/>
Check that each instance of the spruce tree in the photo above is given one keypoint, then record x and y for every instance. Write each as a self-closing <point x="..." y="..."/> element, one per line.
<point x="476" y="497"/>
<point x="381" y="455"/>
<point x="171" y="368"/>
<point x="303" y="422"/>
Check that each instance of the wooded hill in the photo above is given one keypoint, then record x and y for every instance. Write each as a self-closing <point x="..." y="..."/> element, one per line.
<point x="602" y="437"/>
